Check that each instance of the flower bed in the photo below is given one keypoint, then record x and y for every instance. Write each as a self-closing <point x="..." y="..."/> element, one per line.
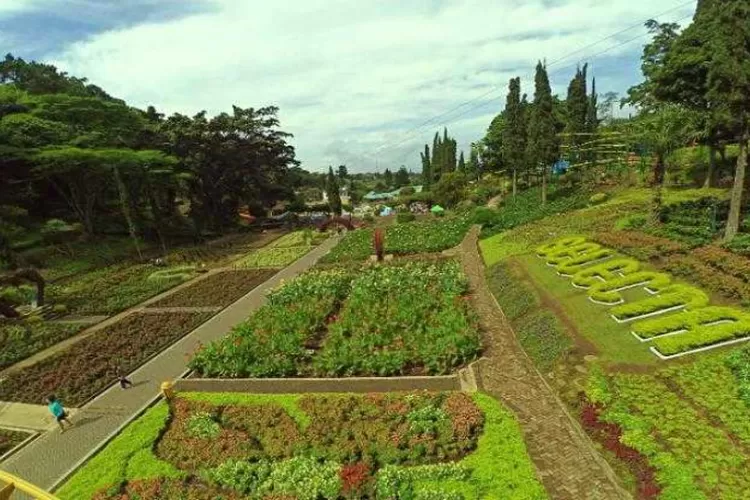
<point x="10" y="439"/>
<point x="688" y="421"/>
<point x="272" y="257"/>
<point x="217" y="290"/>
<point x="397" y="445"/>
<point x="87" y="367"/>
<point x="402" y="319"/>
<point x="402" y="239"/>
<point x="393" y="319"/>
<point x="21" y="340"/>
<point x="642" y="246"/>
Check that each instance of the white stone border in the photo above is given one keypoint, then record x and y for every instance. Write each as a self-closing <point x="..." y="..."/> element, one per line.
<point x="698" y="349"/>
<point x="649" y="315"/>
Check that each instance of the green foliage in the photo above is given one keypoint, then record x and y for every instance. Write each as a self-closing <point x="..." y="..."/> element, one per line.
<point x="598" y="198"/>
<point x="111" y="466"/>
<point x="21" y="340"/>
<point x="516" y="297"/>
<point x="272" y="257"/>
<point x="179" y="273"/>
<point x="739" y="363"/>
<point x="404" y="217"/>
<point x="203" y="425"/>
<point x="450" y="189"/>
<point x="740" y="244"/>
<point x="669" y="297"/>
<point x="634" y="221"/>
<point x="543" y="338"/>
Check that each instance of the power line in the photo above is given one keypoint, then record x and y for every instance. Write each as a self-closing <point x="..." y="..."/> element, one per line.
<point x="482" y="104"/>
<point x="410" y="134"/>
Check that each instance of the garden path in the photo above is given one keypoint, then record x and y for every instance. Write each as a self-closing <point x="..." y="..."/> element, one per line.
<point x="49" y="459"/>
<point x="566" y="460"/>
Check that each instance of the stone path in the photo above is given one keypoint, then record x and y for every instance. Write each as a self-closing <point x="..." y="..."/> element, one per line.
<point x="48" y="460"/>
<point x="568" y="464"/>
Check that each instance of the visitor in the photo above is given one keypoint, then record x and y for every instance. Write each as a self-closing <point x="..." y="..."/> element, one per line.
<point x="124" y="381"/>
<point x="57" y="410"/>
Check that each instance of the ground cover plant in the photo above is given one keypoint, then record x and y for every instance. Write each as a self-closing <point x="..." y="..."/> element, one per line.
<point x="22" y="339"/>
<point x="409" y="317"/>
<point x="88" y="366"/>
<point x="687" y="421"/>
<point x="402" y="319"/>
<point x="217" y="290"/>
<point x="432" y="235"/>
<point x="10" y="439"/>
<point x="274" y="340"/>
<point x="696" y="326"/>
<point x="396" y="445"/>
<point x="283" y="251"/>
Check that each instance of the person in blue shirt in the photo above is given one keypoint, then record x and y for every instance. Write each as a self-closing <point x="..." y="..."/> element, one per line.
<point x="57" y="410"/>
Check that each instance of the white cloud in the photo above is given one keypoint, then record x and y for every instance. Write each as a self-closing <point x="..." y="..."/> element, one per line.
<point x="350" y="76"/>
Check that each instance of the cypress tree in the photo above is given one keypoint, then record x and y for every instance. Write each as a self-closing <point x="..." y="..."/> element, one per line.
<point x="543" y="145"/>
<point x="426" y="168"/>
<point x="577" y="105"/>
<point x="514" y="132"/>
<point x="332" y="190"/>
<point x="461" y="163"/>
<point x="437" y="162"/>
<point x="388" y="178"/>
<point x="473" y="165"/>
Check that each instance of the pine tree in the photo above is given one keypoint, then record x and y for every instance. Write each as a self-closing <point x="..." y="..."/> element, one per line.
<point x="426" y="168"/>
<point x="437" y="161"/>
<point x="461" y="163"/>
<point x="402" y="177"/>
<point x="514" y="131"/>
<point x="332" y="190"/>
<point x="577" y="105"/>
<point x="388" y="178"/>
<point x="543" y="145"/>
<point x="592" y="118"/>
<point x="473" y="166"/>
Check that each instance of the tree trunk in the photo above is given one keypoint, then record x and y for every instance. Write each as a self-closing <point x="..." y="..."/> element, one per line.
<point x="711" y="166"/>
<point x="659" y="170"/>
<point x="735" y="205"/>
<point x="125" y="206"/>
<point x="515" y="182"/>
<point x="544" y="185"/>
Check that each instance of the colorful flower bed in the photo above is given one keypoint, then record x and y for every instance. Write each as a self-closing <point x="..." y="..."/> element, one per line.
<point x="90" y="365"/>
<point x="401" y="239"/>
<point x="401" y="445"/>
<point x="388" y="320"/>
<point x="217" y="290"/>
<point x="696" y="327"/>
<point x="22" y="339"/>
<point x="689" y="423"/>
<point x="10" y="439"/>
<point x="272" y="257"/>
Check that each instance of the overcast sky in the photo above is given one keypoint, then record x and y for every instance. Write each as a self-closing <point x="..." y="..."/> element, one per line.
<point x="353" y="78"/>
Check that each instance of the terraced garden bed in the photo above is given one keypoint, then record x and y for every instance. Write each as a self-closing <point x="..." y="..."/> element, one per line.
<point x="402" y="239"/>
<point x="385" y="445"/>
<point x="10" y="439"/>
<point x="217" y="290"/>
<point x="20" y="340"/>
<point x="90" y="365"/>
<point x="403" y="318"/>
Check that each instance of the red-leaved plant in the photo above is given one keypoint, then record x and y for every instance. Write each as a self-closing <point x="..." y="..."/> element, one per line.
<point x="354" y="479"/>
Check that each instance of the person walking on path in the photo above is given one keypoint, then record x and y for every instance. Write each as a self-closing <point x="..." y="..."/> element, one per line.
<point x="124" y="381"/>
<point x="57" y="410"/>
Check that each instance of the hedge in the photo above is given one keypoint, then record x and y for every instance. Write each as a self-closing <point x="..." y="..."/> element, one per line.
<point x="670" y="297"/>
<point x="608" y="291"/>
<point x="688" y="320"/>
<point x="606" y="271"/>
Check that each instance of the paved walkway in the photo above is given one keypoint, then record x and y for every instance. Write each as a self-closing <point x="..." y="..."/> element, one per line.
<point x="36" y="418"/>
<point x="567" y="463"/>
<point x="50" y="458"/>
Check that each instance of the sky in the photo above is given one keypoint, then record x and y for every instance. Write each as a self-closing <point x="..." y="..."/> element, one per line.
<point x="364" y="83"/>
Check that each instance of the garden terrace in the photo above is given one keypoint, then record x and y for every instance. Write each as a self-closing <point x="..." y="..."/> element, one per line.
<point x="688" y="423"/>
<point x="379" y="445"/>
<point x="217" y="290"/>
<point x="21" y="339"/>
<point x="696" y="328"/>
<point x="414" y="237"/>
<point x="90" y="365"/>
<point x="283" y="251"/>
<point x="402" y="318"/>
<point x="10" y="439"/>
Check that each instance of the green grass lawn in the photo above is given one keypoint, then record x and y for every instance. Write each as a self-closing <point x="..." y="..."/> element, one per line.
<point x="593" y="322"/>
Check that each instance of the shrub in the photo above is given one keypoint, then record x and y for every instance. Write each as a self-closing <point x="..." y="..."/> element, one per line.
<point x="482" y="215"/>
<point x="670" y="297"/>
<point x="740" y="244"/>
<point x="739" y="363"/>
<point x="598" y="198"/>
<point x="241" y="475"/>
<point x="202" y="425"/>
<point x="515" y="296"/>
<point x="633" y="221"/>
<point x="608" y="291"/>
<point x="403" y="217"/>
<point x="354" y="479"/>
<point x="687" y="321"/>
<point x="605" y="271"/>
<point x="542" y="336"/>
<point x="60" y="308"/>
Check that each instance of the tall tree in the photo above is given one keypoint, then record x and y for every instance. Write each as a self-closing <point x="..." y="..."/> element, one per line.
<point x="426" y="168"/>
<point x="652" y="61"/>
<point x="543" y="144"/>
<point x="473" y="167"/>
<point x="592" y="117"/>
<point x="514" y="132"/>
<point x="342" y="172"/>
<point x="437" y="158"/>
<point x="729" y="87"/>
<point x="577" y="105"/>
<point x="402" y="177"/>
<point x="388" y="178"/>
<point x="332" y="190"/>
<point x="461" y="163"/>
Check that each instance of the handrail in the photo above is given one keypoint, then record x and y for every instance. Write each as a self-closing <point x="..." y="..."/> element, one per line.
<point x="12" y="483"/>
